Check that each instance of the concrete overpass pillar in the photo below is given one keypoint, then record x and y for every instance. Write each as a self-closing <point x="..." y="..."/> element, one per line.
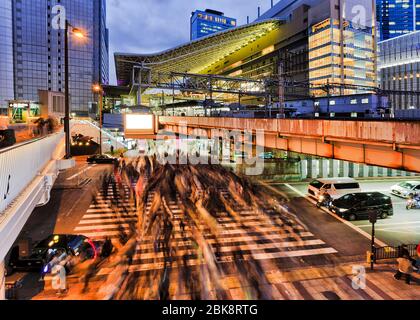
<point x="318" y="168"/>
<point x="324" y="168"/>
<point x="354" y="170"/>
<point x="335" y="168"/>
<point x="366" y="171"/>
<point x="2" y="281"/>
<point x="345" y="169"/>
<point x="351" y="169"/>
<point x="330" y="168"/>
<point x="312" y="168"/>
<point x="304" y="169"/>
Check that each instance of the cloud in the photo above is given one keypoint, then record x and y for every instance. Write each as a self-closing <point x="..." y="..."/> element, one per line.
<point x="146" y="26"/>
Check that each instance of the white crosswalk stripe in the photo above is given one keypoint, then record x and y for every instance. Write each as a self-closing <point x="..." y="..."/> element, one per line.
<point x="256" y="236"/>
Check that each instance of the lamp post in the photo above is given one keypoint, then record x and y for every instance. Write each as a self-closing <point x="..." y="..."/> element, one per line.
<point x="78" y="33"/>
<point x="98" y="89"/>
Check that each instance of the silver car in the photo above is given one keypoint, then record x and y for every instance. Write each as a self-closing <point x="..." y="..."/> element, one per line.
<point x="406" y="189"/>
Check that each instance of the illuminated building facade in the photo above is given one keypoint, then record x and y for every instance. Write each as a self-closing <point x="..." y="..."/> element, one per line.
<point x="341" y="58"/>
<point x="32" y="51"/>
<point x="6" y="55"/>
<point x="397" y="17"/>
<point x="400" y="70"/>
<point x="205" y="23"/>
<point x="303" y="43"/>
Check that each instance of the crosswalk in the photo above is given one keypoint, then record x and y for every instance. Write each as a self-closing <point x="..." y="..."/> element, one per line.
<point x="255" y="236"/>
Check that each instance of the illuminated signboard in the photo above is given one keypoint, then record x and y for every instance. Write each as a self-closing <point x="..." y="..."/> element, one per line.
<point x="139" y="124"/>
<point x="321" y="25"/>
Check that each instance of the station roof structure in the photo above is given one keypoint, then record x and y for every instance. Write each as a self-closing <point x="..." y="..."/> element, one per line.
<point x="197" y="55"/>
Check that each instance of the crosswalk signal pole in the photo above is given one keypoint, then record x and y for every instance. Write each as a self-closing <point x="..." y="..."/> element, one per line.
<point x="373" y="217"/>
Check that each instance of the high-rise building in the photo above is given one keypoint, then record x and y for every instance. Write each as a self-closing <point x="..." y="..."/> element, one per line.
<point x="6" y="54"/>
<point x="397" y="17"/>
<point x="39" y="53"/>
<point x="204" y="23"/>
<point x="338" y="43"/>
<point x="399" y="68"/>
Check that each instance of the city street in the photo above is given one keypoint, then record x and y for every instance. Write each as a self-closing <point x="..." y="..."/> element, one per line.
<point x="270" y="246"/>
<point x="61" y="215"/>
<point x="402" y="228"/>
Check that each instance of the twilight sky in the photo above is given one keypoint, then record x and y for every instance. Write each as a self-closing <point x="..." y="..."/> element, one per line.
<point x="145" y="26"/>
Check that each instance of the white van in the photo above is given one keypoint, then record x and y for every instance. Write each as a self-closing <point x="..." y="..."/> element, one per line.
<point x="336" y="187"/>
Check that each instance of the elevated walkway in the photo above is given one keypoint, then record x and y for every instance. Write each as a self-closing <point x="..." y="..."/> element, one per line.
<point x="27" y="173"/>
<point x="91" y="129"/>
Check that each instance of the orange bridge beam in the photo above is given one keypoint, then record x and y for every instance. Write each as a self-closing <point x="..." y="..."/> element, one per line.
<point x="390" y="144"/>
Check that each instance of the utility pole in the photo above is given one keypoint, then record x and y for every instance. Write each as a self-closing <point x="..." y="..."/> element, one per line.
<point x="101" y="101"/>
<point x="328" y="97"/>
<point x="373" y="217"/>
<point x="67" y="93"/>
<point x="281" y="89"/>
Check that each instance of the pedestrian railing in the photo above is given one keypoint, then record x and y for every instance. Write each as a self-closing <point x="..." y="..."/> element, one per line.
<point x="384" y="253"/>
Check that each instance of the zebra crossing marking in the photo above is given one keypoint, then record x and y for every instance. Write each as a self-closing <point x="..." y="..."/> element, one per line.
<point x="252" y="235"/>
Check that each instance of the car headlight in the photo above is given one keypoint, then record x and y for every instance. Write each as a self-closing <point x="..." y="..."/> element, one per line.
<point x="344" y="210"/>
<point x="321" y="198"/>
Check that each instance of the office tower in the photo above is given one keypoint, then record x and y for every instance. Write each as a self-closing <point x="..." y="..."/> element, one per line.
<point x="39" y="50"/>
<point x="6" y="54"/>
<point x="397" y="17"/>
<point x="204" y="23"/>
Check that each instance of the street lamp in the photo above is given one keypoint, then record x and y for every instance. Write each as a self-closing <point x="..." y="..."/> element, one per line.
<point x="97" y="88"/>
<point x="79" y="34"/>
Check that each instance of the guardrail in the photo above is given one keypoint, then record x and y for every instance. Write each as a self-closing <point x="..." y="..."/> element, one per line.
<point x="21" y="163"/>
<point x="384" y="253"/>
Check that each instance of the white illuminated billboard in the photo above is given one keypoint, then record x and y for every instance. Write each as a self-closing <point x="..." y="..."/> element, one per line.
<point x="139" y="124"/>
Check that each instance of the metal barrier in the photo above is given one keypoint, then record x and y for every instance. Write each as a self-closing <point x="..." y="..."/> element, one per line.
<point x="385" y="253"/>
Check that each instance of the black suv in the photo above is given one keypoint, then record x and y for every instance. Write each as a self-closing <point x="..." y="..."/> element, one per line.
<point x="356" y="206"/>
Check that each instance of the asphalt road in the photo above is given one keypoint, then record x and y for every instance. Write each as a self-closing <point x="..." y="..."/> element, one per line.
<point x="328" y="242"/>
<point x="403" y="227"/>
<point x="69" y="202"/>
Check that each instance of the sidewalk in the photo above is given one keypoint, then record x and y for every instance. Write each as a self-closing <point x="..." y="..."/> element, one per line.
<point x="323" y="283"/>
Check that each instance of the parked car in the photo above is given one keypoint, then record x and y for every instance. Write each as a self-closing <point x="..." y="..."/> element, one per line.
<point x="335" y="187"/>
<point x="356" y="206"/>
<point x="102" y="159"/>
<point x="406" y="189"/>
<point x="53" y="248"/>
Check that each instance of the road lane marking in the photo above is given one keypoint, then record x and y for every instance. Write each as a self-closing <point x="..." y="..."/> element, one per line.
<point x="395" y="231"/>
<point x="147" y="241"/>
<point x="267" y="256"/>
<point x="248" y="247"/>
<point x="102" y="227"/>
<point x="349" y="224"/>
<point x="267" y="233"/>
<point x="84" y="170"/>
<point x="388" y="224"/>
